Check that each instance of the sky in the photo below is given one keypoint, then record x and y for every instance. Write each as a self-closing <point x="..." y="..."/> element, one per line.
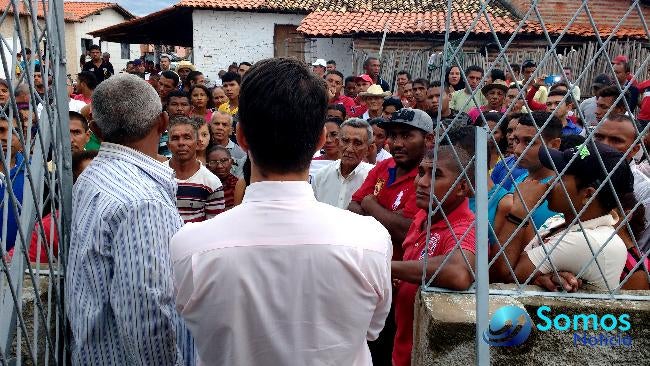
<point x="144" y="7"/>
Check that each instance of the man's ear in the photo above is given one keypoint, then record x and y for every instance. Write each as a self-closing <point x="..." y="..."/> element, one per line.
<point x="163" y="122"/>
<point x="241" y="139"/>
<point x="98" y="133"/>
<point x="554" y="144"/>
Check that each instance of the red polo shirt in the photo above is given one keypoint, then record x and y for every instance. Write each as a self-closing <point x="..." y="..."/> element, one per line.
<point x="395" y="194"/>
<point x="441" y="242"/>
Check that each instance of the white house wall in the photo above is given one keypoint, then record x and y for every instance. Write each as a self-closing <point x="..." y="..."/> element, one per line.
<point x="103" y="19"/>
<point x="223" y="37"/>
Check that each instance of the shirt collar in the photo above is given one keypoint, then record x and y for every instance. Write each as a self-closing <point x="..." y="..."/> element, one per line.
<point x="230" y="144"/>
<point x="279" y="191"/>
<point x="353" y="172"/>
<point x="159" y="172"/>
<point x="605" y="220"/>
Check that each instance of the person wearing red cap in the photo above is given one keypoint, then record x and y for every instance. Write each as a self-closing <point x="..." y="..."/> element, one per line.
<point x="622" y="73"/>
<point x="364" y="81"/>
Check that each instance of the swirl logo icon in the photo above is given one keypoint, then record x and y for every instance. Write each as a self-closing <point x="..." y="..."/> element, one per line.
<point x="509" y="326"/>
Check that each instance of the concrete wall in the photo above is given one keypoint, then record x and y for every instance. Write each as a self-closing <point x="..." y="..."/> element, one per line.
<point x="337" y="49"/>
<point x="103" y="19"/>
<point x="224" y="37"/>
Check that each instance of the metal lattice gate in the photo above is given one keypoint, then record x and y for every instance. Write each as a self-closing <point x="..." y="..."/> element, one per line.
<point x="36" y="183"/>
<point x="494" y="251"/>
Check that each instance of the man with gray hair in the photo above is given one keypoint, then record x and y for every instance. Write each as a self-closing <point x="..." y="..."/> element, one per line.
<point x="335" y="183"/>
<point x="119" y="292"/>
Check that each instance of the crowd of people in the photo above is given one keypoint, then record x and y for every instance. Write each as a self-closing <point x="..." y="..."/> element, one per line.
<point x="282" y="217"/>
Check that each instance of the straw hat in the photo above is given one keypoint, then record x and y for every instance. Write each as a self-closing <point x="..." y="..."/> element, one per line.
<point x="498" y="84"/>
<point x="375" y="91"/>
<point x="185" y="65"/>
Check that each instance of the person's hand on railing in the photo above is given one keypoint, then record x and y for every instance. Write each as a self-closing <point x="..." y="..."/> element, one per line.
<point x="566" y="280"/>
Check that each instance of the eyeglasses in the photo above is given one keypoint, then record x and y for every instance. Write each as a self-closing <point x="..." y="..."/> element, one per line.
<point x="217" y="162"/>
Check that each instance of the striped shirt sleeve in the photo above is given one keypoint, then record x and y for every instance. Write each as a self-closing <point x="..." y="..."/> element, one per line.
<point x="215" y="203"/>
<point x="141" y="289"/>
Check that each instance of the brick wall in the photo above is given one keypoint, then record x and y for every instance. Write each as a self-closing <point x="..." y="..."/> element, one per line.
<point x="604" y="12"/>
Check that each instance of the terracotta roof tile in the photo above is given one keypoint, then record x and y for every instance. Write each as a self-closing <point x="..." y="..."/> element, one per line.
<point x="73" y="11"/>
<point x="382" y="6"/>
<point x="319" y="23"/>
<point x="80" y="10"/>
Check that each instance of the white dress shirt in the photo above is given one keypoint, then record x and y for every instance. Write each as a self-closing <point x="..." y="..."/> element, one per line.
<point x="383" y="154"/>
<point x="283" y="279"/>
<point x="330" y="187"/>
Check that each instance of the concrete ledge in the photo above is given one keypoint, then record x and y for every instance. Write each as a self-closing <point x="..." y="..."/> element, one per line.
<point x="445" y="333"/>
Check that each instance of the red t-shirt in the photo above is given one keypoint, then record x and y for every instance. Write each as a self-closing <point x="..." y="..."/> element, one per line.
<point x="346" y="101"/>
<point x="644" y="111"/>
<point x="358" y="109"/>
<point x="395" y="194"/>
<point x="441" y="242"/>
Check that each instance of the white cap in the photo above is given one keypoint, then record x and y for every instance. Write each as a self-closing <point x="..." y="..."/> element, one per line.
<point x="320" y="62"/>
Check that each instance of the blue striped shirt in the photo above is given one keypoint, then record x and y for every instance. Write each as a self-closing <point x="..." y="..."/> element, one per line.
<point x="119" y="291"/>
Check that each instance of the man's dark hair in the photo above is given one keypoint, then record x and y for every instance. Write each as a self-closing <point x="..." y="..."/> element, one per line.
<point x="231" y="76"/>
<point x="474" y="68"/>
<point x="129" y="63"/>
<point x="79" y="117"/>
<point x="569" y="99"/>
<point x="336" y="120"/>
<point x="568" y="68"/>
<point x="282" y="118"/>
<point x="191" y="77"/>
<point x="37" y="68"/>
<point x="245" y="63"/>
<point x="376" y="121"/>
<point x="331" y="62"/>
<point x="88" y="78"/>
<point x="623" y="118"/>
<point x="94" y="47"/>
<point x="337" y="107"/>
<point x="552" y="130"/>
<point x="570" y="142"/>
<point x="434" y="84"/>
<point x="392" y="101"/>
<point x="366" y="63"/>
<point x="497" y="74"/>
<point x="335" y="72"/>
<point x="177" y="94"/>
<point x="515" y="67"/>
<point x="27" y="51"/>
<point x="350" y="79"/>
<point x="455" y="156"/>
<point x="514" y="86"/>
<point x="559" y="84"/>
<point x="171" y="75"/>
<point x="404" y="72"/>
<point x="527" y="64"/>
<point x="614" y="92"/>
<point x="422" y="81"/>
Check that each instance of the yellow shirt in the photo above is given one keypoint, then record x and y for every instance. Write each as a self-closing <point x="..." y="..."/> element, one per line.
<point x="225" y="107"/>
